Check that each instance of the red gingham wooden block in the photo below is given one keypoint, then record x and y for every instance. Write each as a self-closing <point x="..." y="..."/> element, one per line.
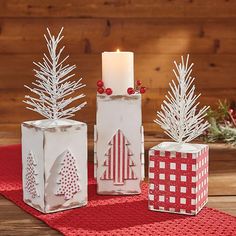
<point x="178" y="181"/>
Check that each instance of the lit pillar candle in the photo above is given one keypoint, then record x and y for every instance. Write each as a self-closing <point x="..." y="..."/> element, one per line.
<point x="118" y="71"/>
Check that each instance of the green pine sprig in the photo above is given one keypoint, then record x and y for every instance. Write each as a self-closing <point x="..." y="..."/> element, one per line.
<point x="222" y="127"/>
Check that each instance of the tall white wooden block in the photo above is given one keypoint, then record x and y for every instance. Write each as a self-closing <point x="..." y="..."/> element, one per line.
<point x="54" y="158"/>
<point x="118" y="145"/>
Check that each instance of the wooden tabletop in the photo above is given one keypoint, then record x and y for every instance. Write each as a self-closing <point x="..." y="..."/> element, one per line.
<point x="222" y="189"/>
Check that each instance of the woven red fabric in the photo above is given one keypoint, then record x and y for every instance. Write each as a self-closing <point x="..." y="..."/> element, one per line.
<point x="112" y="215"/>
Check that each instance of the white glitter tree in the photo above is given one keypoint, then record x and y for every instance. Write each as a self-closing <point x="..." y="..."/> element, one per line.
<point x="179" y="116"/>
<point x="68" y="177"/>
<point x="53" y="88"/>
<point x="30" y="176"/>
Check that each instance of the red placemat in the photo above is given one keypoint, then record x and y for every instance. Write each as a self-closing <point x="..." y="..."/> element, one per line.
<point x="111" y="215"/>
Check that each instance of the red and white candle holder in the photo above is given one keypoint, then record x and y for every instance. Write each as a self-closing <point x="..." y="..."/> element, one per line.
<point x="118" y="144"/>
<point x="54" y="164"/>
<point x="178" y="178"/>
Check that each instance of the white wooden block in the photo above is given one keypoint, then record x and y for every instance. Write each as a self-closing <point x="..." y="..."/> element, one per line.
<point x="119" y="144"/>
<point x="95" y="152"/>
<point x="53" y="147"/>
<point x="143" y="166"/>
<point x="143" y="154"/>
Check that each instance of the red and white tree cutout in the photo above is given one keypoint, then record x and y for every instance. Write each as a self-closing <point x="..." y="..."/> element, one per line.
<point x="31" y="175"/>
<point x="69" y="179"/>
<point x="119" y="160"/>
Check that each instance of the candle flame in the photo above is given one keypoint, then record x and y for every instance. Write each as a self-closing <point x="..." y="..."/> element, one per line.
<point x="117" y="50"/>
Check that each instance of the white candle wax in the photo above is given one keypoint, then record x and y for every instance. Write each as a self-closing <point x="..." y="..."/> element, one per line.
<point x="118" y="71"/>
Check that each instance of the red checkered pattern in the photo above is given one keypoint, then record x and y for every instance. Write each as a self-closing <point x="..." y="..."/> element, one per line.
<point x="178" y="182"/>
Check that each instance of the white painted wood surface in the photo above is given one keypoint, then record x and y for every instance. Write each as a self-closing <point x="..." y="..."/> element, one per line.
<point x="48" y="142"/>
<point x="118" y="113"/>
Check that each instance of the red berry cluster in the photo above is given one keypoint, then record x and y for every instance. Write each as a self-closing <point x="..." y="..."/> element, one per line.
<point x="232" y="112"/>
<point x="138" y="88"/>
<point x="232" y="115"/>
<point x="101" y="89"/>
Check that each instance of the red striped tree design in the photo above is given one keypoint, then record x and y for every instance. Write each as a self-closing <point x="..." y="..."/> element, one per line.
<point x="119" y="160"/>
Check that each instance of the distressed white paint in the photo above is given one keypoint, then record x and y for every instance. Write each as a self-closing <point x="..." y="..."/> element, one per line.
<point x="48" y="140"/>
<point x="124" y="113"/>
<point x="184" y="148"/>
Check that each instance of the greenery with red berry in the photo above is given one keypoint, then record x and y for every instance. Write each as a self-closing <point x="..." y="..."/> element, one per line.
<point x="223" y="124"/>
<point x="138" y="88"/>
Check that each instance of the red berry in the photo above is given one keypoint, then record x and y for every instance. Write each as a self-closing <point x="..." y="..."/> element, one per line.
<point x="130" y="91"/>
<point x="100" y="90"/>
<point x="108" y="91"/>
<point x="231" y="111"/>
<point x="99" y="83"/>
<point x="142" y="90"/>
<point x="138" y="82"/>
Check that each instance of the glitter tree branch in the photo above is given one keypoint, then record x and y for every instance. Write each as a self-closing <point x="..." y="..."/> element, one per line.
<point x="178" y="116"/>
<point x="53" y="88"/>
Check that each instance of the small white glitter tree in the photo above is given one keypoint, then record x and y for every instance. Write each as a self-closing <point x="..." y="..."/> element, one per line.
<point x="53" y="87"/>
<point x="31" y="183"/>
<point x="69" y="179"/>
<point x="178" y="116"/>
<point x="56" y="97"/>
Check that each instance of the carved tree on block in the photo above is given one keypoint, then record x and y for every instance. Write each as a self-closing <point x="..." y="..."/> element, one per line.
<point x="68" y="177"/>
<point x="31" y="176"/>
<point x="119" y="161"/>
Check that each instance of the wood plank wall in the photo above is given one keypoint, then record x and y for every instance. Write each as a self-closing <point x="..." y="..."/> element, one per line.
<point x="158" y="31"/>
